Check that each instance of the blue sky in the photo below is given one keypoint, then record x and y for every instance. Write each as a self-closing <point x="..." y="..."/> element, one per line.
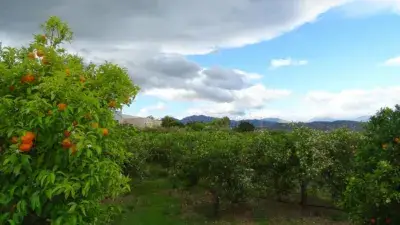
<point x="342" y="53"/>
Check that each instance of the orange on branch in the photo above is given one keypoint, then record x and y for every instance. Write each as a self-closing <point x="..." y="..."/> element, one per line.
<point x="105" y="131"/>
<point x="40" y="53"/>
<point x="31" y="55"/>
<point x="45" y="61"/>
<point x="66" y="143"/>
<point x="112" y="104"/>
<point x="73" y="149"/>
<point x="67" y="133"/>
<point x="62" y="106"/>
<point x="26" y="147"/>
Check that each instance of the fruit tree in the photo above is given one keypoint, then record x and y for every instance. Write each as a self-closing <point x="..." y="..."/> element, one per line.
<point x="58" y="155"/>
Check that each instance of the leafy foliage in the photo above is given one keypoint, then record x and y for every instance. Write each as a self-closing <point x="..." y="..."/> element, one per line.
<point x="60" y="149"/>
<point x="169" y="121"/>
<point x="245" y="126"/>
<point x="373" y="190"/>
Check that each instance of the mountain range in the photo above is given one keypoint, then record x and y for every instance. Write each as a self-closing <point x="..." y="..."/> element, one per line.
<point x="279" y="124"/>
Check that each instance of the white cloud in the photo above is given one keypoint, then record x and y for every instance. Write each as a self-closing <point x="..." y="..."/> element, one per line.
<point x="248" y="100"/>
<point x="392" y="62"/>
<point x="146" y="111"/>
<point x="276" y="63"/>
<point x="351" y="103"/>
<point x="345" y="104"/>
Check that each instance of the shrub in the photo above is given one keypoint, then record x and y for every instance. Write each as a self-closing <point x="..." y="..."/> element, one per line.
<point x="373" y="191"/>
<point x="59" y="155"/>
<point x="245" y="126"/>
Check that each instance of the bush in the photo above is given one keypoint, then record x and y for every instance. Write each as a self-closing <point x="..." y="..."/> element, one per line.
<point x="59" y="155"/>
<point x="373" y="192"/>
<point x="245" y="126"/>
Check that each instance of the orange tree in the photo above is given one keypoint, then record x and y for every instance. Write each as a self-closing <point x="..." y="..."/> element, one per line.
<point x="59" y="156"/>
<point x="373" y="191"/>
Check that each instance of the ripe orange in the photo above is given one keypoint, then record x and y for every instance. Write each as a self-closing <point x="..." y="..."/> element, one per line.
<point x="384" y="146"/>
<point x="73" y="149"/>
<point x="75" y="123"/>
<point x="26" y="140"/>
<point x="29" y="78"/>
<point x="62" y="106"/>
<point x="112" y="104"/>
<point x="25" y="147"/>
<point x="31" y="55"/>
<point x="397" y="140"/>
<point x="14" y="140"/>
<point x="29" y="136"/>
<point x="68" y="72"/>
<point x="40" y="53"/>
<point x="82" y="79"/>
<point x="67" y="133"/>
<point x="66" y="143"/>
<point x="105" y="131"/>
<point x="45" y="61"/>
<point x="12" y="88"/>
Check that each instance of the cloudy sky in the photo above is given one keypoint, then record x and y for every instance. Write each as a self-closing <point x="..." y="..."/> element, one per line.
<point x="292" y="59"/>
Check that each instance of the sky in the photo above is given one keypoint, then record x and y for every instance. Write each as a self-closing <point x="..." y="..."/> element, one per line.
<point x="293" y="59"/>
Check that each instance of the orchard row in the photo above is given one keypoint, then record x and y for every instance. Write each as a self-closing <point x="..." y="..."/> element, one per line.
<point x="359" y="171"/>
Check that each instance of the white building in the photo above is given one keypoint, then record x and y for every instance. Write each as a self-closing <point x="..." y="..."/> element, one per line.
<point x="140" y="122"/>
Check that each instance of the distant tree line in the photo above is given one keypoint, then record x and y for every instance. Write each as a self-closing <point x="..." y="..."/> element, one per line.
<point x="216" y="124"/>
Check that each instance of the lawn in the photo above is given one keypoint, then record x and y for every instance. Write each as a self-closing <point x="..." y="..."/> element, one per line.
<point x="155" y="202"/>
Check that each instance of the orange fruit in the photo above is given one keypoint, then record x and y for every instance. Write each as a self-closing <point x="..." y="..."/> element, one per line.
<point x="82" y="79"/>
<point x="31" y="55"/>
<point x="95" y="125"/>
<point x="105" y="131"/>
<point x="67" y="133"/>
<point x="62" y="106"/>
<point x="40" y="53"/>
<point x="68" y="72"/>
<point x="66" y="143"/>
<point x="384" y="146"/>
<point x="30" y="135"/>
<point x="75" y="123"/>
<point x="112" y="104"/>
<point x="14" y="140"/>
<point x="73" y="149"/>
<point x="29" y="78"/>
<point x="12" y="88"/>
<point x="397" y="140"/>
<point x="25" y="147"/>
<point x="45" y="61"/>
<point x="49" y="112"/>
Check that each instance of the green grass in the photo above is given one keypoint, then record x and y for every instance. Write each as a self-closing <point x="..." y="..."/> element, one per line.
<point x="154" y="202"/>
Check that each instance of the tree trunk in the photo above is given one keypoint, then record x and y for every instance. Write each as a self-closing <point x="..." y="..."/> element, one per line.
<point x="216" y="203"/>
<point x="303" y="193"/>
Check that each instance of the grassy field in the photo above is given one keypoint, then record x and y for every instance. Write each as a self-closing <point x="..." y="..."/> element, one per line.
<point x="155" y="202"/>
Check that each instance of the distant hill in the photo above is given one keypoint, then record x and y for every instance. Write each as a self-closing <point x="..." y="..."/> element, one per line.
<point x="278" y="124"/>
